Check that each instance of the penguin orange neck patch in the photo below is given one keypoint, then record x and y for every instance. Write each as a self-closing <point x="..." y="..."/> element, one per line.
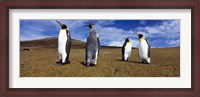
<point x="128" y="42"/>
<point x="63" y="29"/>
<point x="141" y="39"/>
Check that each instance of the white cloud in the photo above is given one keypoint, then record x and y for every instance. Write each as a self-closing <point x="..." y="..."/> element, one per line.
<point x="168" y="29"/>
<point x="108" y="33"/>
<point x="115" y="36"/>
<point x="116" y="43"/>
<point x="37" y="29"/>
<point x="32" y="36"/>
<point x="174" y="42"/>
<point x="119" y="43"/>
<point x="153" y="30"/>
<point x="32" y="31"/>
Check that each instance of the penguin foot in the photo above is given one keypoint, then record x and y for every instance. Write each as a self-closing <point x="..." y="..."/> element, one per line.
<point x="65" y="63"/>
<point x="124" y="60"/>
<point x="87" y="64"/>
<point x="59" y="62"/>
<point x="148" y="63"/>
<point x="145" y="62"/>
<point x="93" y="64"/>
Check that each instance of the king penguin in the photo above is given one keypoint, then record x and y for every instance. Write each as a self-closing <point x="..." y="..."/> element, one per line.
<point x="126" y="50"/>
<point x="92" y="46"/>
<point x="64" y="44"/>
<point x="144" y="49"/>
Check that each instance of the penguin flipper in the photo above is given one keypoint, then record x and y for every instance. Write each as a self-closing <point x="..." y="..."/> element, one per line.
<point x="86" y="53"/>
<point x="123" y="51"/>
<point x="68" y="48"/>
<point x="98" y="44"/>
<point x="149" y="49"/>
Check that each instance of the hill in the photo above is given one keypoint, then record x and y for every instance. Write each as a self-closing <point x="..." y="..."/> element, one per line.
<point x="50" y="43"/>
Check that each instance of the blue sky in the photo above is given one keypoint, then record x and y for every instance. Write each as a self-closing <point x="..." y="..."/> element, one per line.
<point x="159" y="33"/>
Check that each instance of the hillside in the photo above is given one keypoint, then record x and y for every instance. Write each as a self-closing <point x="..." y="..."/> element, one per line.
<point x="50" y="43"/>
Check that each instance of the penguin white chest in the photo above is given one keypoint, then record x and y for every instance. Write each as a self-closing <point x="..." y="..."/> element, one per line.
<point x="62" y="39"/>
<point x="143" y="48"/>
<point x="128" y="49"/>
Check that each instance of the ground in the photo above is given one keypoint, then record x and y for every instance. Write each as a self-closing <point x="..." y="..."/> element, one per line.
<point x="40" y="61"/>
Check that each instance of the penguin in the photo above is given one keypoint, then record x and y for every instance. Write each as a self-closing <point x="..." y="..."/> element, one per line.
<point x="64" y="44"/>
<point x="92" y="46"/>
<point x="144" y="49"/>
<point x="126" y="49"/>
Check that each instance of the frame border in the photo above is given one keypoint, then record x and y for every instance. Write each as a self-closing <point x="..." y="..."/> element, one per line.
<point x="88" y="4"/>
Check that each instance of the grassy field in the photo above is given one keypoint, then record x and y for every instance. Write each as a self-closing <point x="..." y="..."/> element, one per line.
<point x="40" y="61"/>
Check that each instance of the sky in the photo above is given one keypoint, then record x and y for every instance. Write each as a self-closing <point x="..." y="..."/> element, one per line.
<point x="159" y="33"/>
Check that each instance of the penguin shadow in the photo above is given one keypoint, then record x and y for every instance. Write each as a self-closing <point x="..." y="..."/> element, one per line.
<point x="83" y="63"/>
<point x="91" y="65"/>
<point x="129" y="61"/>
<point x="120" y="60"/>
<point x="59" y="64"/>
<point x="137" y="62"/>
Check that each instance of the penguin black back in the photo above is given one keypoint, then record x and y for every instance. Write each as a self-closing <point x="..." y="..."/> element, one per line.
<point x="123" y="47"/>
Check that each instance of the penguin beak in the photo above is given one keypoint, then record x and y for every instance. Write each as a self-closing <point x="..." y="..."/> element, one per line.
<point x="59" y="23"/>
<point x="86" y="25"/>
<point x="137" y="34"/>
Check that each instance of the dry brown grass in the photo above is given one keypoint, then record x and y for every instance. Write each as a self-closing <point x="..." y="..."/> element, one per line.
<point x="41" y="62"/>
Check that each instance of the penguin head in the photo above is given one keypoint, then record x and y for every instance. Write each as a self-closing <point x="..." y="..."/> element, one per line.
<point x="127" y="39"/>
<point x="63" y="26"/>
<point x="90" y="26"/>
<point x="140" y="35"/>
